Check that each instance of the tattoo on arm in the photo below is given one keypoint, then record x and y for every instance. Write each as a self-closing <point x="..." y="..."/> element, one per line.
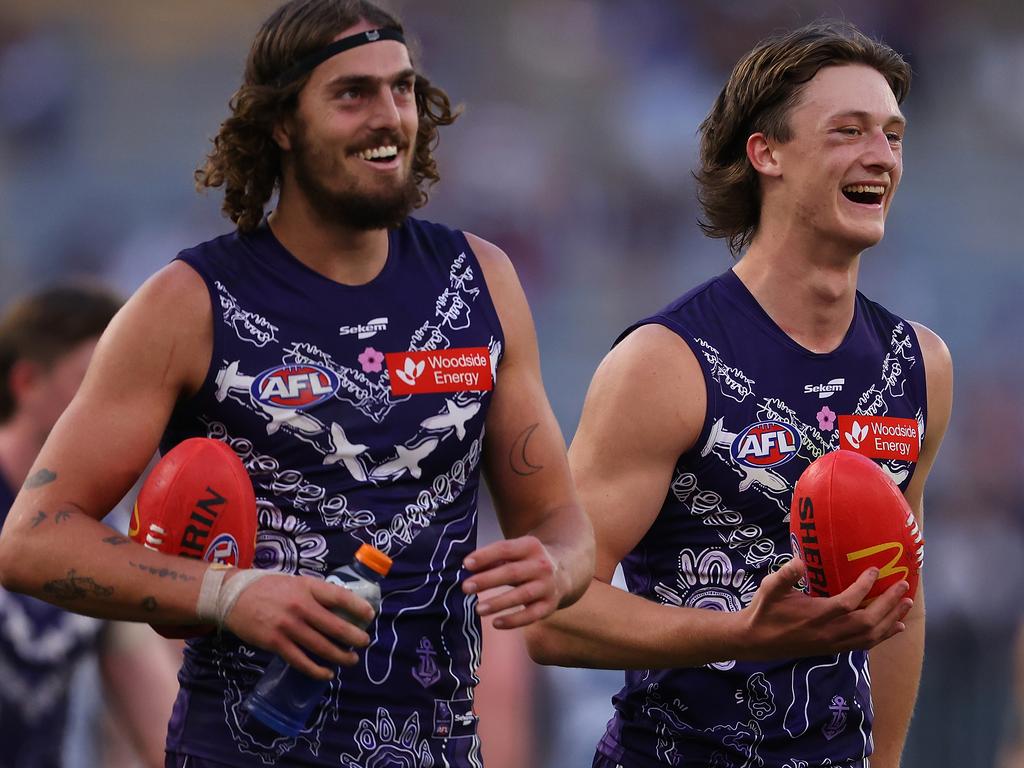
<point x="116" y="541"/>
<point x="149" y="604"/>
<point x="517" y="453"/>
<point x="75" y="587"/>
<point x="61" y="517"/>
<point x="42" y="477"/>
<point x="163" y="573"/>
<point x="40" y="516"/>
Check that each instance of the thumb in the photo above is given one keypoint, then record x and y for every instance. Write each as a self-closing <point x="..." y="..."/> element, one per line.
<point x="786" y="578"/>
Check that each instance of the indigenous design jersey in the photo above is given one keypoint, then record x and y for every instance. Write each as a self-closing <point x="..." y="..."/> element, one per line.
<point x="40" y="646"/>
<point x="359" y="413"/>
<point x="773" y="407"/>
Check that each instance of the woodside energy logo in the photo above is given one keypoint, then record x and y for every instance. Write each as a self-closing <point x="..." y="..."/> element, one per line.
<point x="466" y="369"/>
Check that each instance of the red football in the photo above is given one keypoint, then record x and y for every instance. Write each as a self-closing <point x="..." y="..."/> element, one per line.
<point x="848" y="515"/>
<point x="197" y="502"/>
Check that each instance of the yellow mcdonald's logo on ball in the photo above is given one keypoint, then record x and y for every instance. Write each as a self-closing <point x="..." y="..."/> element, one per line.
<point x="889" y="568"/>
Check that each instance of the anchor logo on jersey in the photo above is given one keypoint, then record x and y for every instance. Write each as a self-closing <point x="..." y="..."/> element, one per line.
<point x="427" y="672"/>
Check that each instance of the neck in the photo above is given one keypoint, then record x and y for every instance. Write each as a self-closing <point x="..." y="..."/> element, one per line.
<point x="809" y="291"/>
<point x="338" y="252"/>
<point x="19" y="446"/>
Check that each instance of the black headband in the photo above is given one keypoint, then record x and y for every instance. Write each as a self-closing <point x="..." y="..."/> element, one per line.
<point x="307" y="63"/>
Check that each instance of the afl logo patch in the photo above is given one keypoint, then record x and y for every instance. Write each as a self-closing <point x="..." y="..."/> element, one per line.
<point x="223" y="550"/>
<point x="765" y="444"/>
<point x="294" y="386"/>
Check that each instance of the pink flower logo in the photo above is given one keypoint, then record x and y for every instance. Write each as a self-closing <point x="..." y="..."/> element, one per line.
<point x="371" y="360"/>
<point x="826" y="419"/>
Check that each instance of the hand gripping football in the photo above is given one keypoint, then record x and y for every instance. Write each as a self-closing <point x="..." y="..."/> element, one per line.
<point x="197" y="502"/>
<point x="848" y="515"/>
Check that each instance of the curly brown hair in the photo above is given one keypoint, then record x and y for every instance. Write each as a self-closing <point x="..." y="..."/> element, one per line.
<point x="764" y="86"/>
<point x="246" y="160"/>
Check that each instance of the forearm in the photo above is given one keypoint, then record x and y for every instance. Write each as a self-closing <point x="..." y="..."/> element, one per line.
<point x="895" y="676"/>
<point x="609" y="628"/>
<point x="67" y="558"/>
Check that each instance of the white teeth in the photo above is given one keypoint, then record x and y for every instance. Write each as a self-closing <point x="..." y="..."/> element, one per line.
<point x="376" y="153"/>
<point x="875" y="189"/>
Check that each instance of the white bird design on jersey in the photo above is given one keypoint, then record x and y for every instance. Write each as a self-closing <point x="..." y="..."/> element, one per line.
<point x="230" y="380"/>
<point x="346" y="453"/>
<point x="408" y="459"/>
<point x="456" y="416"/>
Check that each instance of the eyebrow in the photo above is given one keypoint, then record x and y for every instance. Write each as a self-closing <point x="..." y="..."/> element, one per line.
<point x="347" y="81"/>
<point x="861" y="114"/>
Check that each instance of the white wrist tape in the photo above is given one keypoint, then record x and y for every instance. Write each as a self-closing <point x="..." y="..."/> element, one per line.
<point x="217" y="598"/>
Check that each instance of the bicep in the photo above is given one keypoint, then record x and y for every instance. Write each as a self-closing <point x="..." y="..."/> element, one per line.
<point x="151" y="353"/>
<point x="938" y="366"/>
<point x="645" y="407"/>
<point x="524" y="452"/>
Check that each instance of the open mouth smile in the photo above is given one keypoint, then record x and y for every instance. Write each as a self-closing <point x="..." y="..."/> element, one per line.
<point x="864" y="194"/>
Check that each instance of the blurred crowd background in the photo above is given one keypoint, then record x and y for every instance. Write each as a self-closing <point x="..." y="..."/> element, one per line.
<point x="575" y="154"/>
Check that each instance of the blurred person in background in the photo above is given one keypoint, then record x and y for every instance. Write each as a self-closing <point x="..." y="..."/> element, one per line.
<point x="46" y="341"/>
<point x="726" y="662"/>
<point x="1012" y="755"/>
<point x="383" y="344"/>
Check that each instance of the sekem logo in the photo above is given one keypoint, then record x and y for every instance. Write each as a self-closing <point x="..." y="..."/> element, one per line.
<point x="294" y="386"/>
<point x="765" y="444"/>
<point x="824" y="391"/>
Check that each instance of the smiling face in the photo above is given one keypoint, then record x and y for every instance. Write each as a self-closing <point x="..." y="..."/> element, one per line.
<point x="348" y="149"/>
<point x="837" y="175"/>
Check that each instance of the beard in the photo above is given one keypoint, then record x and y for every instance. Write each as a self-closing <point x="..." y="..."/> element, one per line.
<point x="355" y="207"/>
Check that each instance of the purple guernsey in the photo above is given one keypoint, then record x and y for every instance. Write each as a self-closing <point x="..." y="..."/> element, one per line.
<point x="773" y="407"/>
<point x="359" y="414"/>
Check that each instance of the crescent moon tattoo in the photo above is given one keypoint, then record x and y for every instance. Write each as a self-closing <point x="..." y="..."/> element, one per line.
<point x="517" y="453"/>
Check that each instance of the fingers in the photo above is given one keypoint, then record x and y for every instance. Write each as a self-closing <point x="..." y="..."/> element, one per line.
<point x="343" y="601"/>
<point x="852" y="598"/>
<point x="511" y="574"/>
<point x="499" y="552"/>
<point x="523" y="564"/>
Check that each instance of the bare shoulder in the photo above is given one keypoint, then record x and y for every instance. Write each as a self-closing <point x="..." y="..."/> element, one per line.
<point x="651" y="384"/>
<point x="937" y="358"/>
<point x="493" y="261"/>
<point x="165" y="325"/>
<point x="938" y="368"/>
<point x="499" y="274"/>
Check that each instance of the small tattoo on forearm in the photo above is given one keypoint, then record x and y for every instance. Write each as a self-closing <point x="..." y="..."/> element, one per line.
<point x="163" y="573"/>
<point x="42" y="477"/>
<point x="517" y="453"/>
<point x="149" y="604"/>
<point x="116" y="541"/>
<point x="61" y="517"/>
<point x="40" y="516"/>
<point x="75" y="587"/>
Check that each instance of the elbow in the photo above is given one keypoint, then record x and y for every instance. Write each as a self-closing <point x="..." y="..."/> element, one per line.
<point x="543" y="644"/>
<point x="12" y="571"/>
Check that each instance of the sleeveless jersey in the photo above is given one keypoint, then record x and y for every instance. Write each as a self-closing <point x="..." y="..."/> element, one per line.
<point x="772" y="408"/>
<point x="40" y="648"/>
<point x="359" y="413"/>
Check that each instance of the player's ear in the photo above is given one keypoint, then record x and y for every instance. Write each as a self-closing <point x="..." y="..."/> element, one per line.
<point x="23" y="377"/>
<point x="282" y="132"/>
<point x="762" y="156"/>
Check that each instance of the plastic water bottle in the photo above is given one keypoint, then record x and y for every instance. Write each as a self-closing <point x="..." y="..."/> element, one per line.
<point x="284" y="697"/>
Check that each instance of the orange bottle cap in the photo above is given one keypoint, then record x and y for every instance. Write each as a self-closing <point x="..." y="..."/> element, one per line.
<point x="373" y="559"/>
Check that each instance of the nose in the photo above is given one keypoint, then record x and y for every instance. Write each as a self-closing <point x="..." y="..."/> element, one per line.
<point x="880" y="153"/>
<point x="385" y="113"/>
